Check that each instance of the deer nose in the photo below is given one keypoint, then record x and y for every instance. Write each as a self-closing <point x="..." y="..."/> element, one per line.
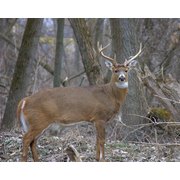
<point x="122" y="78"/>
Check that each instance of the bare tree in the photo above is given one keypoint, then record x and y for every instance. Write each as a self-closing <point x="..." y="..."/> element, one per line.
<point x="23" y="71"/>
<point x="59" y="52"/>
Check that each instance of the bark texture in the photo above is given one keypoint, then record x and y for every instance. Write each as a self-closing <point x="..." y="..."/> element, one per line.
<point x="88" y="54"/>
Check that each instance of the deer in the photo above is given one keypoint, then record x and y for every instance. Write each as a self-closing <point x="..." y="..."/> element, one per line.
<point x="67" y="106"/>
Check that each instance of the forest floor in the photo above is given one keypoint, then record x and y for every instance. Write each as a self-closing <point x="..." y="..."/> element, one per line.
<point x="53" y="148"/>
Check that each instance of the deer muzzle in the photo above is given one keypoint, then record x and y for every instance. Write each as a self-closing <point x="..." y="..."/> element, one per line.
<point x="122" y="78"/>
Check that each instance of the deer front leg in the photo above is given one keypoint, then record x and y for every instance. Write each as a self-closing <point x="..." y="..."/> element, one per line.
<point x="100" y="140"/>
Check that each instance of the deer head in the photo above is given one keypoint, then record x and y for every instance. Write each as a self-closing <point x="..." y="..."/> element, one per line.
<point x="119" y="71"/>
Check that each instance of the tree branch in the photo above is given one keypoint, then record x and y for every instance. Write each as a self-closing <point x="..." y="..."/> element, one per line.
<point x="150" y="82"/>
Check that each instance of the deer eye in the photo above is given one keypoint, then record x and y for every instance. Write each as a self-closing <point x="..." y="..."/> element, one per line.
<point x="126" y="70"/>
<point x="116" y="71"/>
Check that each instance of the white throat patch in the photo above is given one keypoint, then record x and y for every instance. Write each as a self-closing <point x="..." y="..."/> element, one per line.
<point x="122" y="85"/>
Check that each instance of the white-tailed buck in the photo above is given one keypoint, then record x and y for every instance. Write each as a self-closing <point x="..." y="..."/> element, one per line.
<point x="70" y="105"/>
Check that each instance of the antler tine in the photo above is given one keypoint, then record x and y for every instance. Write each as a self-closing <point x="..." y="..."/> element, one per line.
<point x="133" y="57"/>
<point x="101" y="49"/>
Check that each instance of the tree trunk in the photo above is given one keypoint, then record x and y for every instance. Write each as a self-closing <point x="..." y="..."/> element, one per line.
<point x="98" y="35"/>
<point x="23" y="71"/>
<point x="98" y="32"/>
<point x="117" y="40"/>
<point x="88" y="55"/>
<point x="126" y="45"/>
<point x="59" y="52"/>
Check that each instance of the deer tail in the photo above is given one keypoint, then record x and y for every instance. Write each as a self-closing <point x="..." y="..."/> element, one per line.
<point x="21" y="117"/>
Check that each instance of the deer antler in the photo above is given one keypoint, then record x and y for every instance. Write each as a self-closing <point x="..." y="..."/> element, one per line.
<point x="133" y="57"/>
<point x="101" y="49"/>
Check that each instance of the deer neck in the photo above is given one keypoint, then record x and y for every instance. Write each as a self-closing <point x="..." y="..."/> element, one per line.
<point x="121" y="85"/>
<point x="119" y="91"/>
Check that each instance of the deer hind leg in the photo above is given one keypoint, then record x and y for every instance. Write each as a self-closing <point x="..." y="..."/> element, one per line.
<point x="34" y="150"/>
<point x="29" y="140"/>
<point x="100" y="131"/>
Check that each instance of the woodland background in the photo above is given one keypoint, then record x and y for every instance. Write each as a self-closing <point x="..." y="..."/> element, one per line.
<point x="41" y="53"/>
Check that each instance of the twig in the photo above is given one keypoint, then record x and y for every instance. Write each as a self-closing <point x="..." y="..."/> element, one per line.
<point x="47" y="67"/>
<point x="74" y="76"/>
<point x="142" y="126"/>
<point x="73" y="154"/>
<point x="82" y="79"/>
<point x="155" y="144"/>
<point x="144" y="117"/>
<point x="167" y="99"/>
<point x="154" y="123"/>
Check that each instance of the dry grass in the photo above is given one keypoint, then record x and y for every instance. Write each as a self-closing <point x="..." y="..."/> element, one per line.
<point x="149" y="145"/>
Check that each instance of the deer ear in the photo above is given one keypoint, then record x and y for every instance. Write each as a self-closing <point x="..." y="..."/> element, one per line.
<point x="109" y="65"/>
<point x="132" y="63"/>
